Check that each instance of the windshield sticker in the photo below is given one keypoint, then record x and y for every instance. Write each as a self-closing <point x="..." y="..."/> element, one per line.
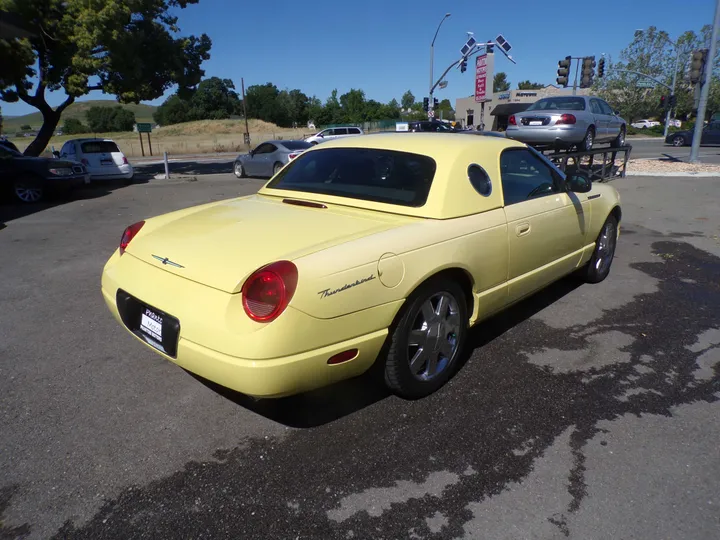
<point x="328" y="292"/>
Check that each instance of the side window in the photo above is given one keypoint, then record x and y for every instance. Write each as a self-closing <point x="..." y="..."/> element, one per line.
<point x="606" y="109"/>
<point x="714" y="126"/>
<point x="341" y="131"/>
<point x="328" y="132"/>
<point x="479" y="180"/>
<point x="524" y="177"/>
<point x="354" y="131"/>
<point x="595" y="107"/>
<point x="67" y="149"/>
<point x="262" y="149"/>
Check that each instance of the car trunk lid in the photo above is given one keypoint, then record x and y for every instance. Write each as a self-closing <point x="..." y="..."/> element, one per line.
<point x="221" y="245"/>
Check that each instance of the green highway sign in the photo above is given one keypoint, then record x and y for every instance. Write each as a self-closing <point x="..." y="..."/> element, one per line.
<point x="145" y="127"/>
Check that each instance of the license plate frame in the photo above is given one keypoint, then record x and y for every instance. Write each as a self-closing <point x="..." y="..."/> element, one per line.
<point x="156" y="327"/>
<point x="535" y="123"/>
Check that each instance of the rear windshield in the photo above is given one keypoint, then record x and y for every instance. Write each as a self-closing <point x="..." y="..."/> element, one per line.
<point x="368" y="174"/>
<point x="296" y="145"/>
<point x="558" y="104"/>
<point x="99" y="147"/>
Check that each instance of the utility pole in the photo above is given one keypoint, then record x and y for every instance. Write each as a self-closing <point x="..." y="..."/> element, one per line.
<point x="705" y="87"/>
<point x="247" y="128"/>
<point x="432" y="57"/>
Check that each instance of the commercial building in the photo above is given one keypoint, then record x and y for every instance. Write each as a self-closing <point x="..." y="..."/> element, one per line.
<point x="497" y="110"/>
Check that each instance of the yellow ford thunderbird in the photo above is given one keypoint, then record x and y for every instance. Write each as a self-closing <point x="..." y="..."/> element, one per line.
<point x="380" y="248"/>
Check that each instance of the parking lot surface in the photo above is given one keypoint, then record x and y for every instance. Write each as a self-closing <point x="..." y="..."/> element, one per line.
<point x="587" y="411"/>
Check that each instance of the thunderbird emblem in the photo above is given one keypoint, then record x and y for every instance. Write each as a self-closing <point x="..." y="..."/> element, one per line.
<point x="165" y="260"/>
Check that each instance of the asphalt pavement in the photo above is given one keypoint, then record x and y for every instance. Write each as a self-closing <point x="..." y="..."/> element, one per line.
<point x="585" y="412"/>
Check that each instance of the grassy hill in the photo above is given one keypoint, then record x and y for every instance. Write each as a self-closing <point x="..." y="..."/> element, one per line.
<point x="143" y="113"/>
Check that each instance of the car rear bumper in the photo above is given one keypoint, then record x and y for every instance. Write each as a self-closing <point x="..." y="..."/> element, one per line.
<point x="124" y="172"/>
<point x="218" y="342"/>
<point x="552" y="135"/>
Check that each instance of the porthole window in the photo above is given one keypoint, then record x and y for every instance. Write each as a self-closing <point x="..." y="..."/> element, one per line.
<point x="479" y="180"/>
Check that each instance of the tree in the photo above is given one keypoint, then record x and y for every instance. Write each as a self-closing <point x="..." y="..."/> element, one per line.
<point x="173" y="111"/>
<point x="408" y="100"/>
<point x="110" y="119"/>
<point x="353" y="106"/>
<point x="262" y="102"/>
<point x="500" y="82"/>
<point x="527" y="85"/>
<point x="26" y="127"/>
<point x="73" y="126"/>
<point x="214" y="99"/>
<point x="128" y="49"/>
<point x="446" y="108"/>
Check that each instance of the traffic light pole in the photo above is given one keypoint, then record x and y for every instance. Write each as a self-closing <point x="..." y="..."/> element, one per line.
<point x="432" y="57"/>
<point x="705" y="88"/>
<point x="672" y="93"/>
<point x="577" y="67"/>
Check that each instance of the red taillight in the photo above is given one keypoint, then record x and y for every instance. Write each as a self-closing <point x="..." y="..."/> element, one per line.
<point x="343" y="357"/>
<point x="267" y="292"/>
<point x="129" y="234"/>
<point x="292" y="156"/>
<point x="566" y="119"/>
<point x="511" y="120"/>
<point x="125" y="161"/>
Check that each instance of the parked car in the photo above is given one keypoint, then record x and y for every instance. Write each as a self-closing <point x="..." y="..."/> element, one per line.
<point x="568" y="121"/>
<point x="384" y="248"/>
<point x="334" y="133"/>
<point x="31" y="179"/>
<point x="102" y="158"/>
<point x="644" y="124"/>
<point x="710" y="136"/>
<point x="268" y="158"/>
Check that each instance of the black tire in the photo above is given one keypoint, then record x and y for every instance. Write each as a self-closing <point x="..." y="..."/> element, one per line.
<point x="28" y="190"/>
<point x="598" y="267"/>
<point x="276" y="168"/>
<point x="678" y="140"/>
<point x="130" y="181"/>
<point x="587" y="143"/>
<point x="239" y="170"/>
<point x="620" y="139"/>
<point x="452" y="323"/>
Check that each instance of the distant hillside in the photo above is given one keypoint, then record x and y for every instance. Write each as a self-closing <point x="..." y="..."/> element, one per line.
<point x="143" y="113"/>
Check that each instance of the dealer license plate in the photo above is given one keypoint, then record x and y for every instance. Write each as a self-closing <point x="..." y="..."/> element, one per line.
<point x="151" y="324"/>
<point x="536" y="122"/>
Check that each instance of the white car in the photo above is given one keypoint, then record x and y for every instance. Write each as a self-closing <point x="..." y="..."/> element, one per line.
<point x="101" y="157"/>
<point x="642" y="124"/>
<point x="334" y="133"/>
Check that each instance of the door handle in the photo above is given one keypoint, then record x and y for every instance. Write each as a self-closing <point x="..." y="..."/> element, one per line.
<point x="522" y="229"/>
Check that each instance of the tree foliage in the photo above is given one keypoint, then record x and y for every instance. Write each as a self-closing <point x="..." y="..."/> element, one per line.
<point x="500" y="82"/>
<point x="408" y="100"/>
<point x="214" y="99"/>
<point x="130" y="49"/>
<point x="527" y="85"/>
<point x="651" y="52"/>
<point x="73" y="126"/>
<point x="107" y="119"/>
<point x="292" y="107"/>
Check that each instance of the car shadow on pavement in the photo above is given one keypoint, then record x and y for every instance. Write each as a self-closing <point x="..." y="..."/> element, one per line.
<point x="330" y="403"/>
<point x="11" y="210"/>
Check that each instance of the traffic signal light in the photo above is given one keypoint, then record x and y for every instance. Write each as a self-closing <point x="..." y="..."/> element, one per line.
<point x="563" y="71"/>
<point x="663" y="102"/>
<point x="435" y="103"/>
<point x="463" y="65"/>
<point x="588" y="72"/>
<point x="601" y="68"/>
<point x="672" y="101"/>
<point x="426" y="104"/>
<point x="697" y="66"/>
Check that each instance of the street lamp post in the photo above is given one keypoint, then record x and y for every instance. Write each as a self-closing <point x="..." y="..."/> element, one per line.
<point x="432" y="55"/>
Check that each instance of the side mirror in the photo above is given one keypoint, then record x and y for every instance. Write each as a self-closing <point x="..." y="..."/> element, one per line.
<point x="578" y="183"/>
<point x="617" y="113"/>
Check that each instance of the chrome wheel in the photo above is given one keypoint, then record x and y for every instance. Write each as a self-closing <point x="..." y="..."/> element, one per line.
<point x="588" y="143"/>
<point x="621" y="138"/>
<point x="605" y="248"/>
<point x="276" y="168"/>
<point x="433" y="338"/>
<point x="27" y="193"/>
<point x="239" y="172"/>
<point x="678" y="141"/>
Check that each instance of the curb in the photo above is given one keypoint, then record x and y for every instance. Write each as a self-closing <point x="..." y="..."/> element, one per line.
<point x="674" y="174"/>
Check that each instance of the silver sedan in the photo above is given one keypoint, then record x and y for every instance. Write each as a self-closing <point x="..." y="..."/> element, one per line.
<point x="268" y="158"/>
<point x="566" y="121"/>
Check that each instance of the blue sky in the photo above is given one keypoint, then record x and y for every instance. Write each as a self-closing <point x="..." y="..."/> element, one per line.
<point x="383" y="47"/>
